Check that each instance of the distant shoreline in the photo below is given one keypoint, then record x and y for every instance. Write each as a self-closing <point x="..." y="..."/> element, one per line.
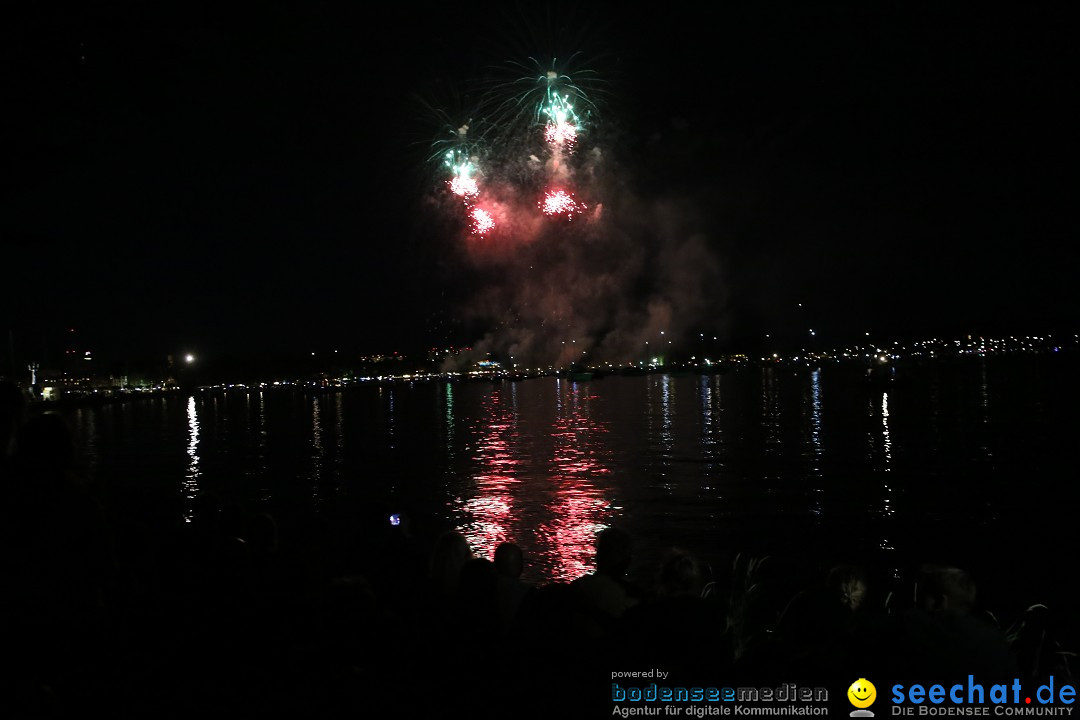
<point x="580" y="374"/>
<point x="102" y="398"/>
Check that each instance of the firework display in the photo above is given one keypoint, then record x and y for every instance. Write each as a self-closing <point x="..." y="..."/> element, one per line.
<point x="560" y="202"/>
<point x="562" y="262"/>
<point x="533" y="127"/>
<point x="482" y="221"/>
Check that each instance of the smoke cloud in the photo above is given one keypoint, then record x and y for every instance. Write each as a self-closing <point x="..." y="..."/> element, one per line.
<point x="624" y="281"/>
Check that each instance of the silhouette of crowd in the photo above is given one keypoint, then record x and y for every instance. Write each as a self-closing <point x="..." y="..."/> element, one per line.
<point x="116" y="603"/>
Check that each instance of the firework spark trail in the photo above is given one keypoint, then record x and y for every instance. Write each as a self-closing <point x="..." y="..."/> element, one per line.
<point x="563" y="122"/>
<point x="553" y="94"/>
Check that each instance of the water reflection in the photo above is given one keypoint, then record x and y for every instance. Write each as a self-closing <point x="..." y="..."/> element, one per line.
<point x="666" y="400"/>
<point x="707" y="439"/>
<point x="548" y="463"/>
<point x="886" y="440"/>
<point x="191" y="478"/>
<point x="389" y="416"/>
<point x="887" y="490"/>
<point x="448" y="414"/>
<point x="317" y="449"/>
<point x="770" y="410"/>
<point x="534" y="478"/>
<point x="85" y="426"/>
<point x="579" y="509"/>
<point x="984" y="392"/>
<point x="815" y="419"/>
<point x="450" y="435"/>
<point x="261" y="444"/>
<point x="984" y="411"/>
<point x="339" y="434"/>
<point x="815" y="443"/>
<point x="660" y="399"/>
<point x="710" y="433"/>
<point x="497" y="447"/>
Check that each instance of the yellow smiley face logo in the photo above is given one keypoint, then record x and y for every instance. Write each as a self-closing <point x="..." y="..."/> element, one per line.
<point x="862" y="693"/>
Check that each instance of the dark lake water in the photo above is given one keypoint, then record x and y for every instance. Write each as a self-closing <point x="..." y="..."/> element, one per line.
<point x="970" y="461"/>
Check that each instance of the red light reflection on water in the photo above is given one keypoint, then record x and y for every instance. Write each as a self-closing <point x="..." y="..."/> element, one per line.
<point x="535" y="482"/>
<point x="491" y="506"/>
<point x="579" y="506"/>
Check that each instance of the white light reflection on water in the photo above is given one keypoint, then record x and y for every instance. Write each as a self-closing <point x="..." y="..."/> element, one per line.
<point x="191" y="478"/>
<point x="815" y="441"/>
<point x="667" y="439"/>
<point x="887" y="444"/>
<point x="339" y="435"/>
<point x="886" y="440"/>
<point x="85" y="425"/>
<point x="706" y="413"/>
<point x="660" y="388"/>
<point x="708" y="426"/>
<point x="667" y="399"/>
<point x="984" y="411"/>
<point x="317" y="450"/>
<point x="887" y="508"/>
<point x="815" y="418"/>
<point x="712" y="444"/>
<point x="448" y="413"/>
<point x="770" y="411"/>
<point x="261" y="443"/>
<point x="389" y="393"/>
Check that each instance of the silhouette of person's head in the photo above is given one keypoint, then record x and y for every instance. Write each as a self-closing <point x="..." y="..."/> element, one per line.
<point x="449" y="555"/>
<point x="509" y="560"/>
<point x="847" y="584"/>
<point x="614" y="552"/>
<point x="681" y="574"/>
<point x="945" y="588"/>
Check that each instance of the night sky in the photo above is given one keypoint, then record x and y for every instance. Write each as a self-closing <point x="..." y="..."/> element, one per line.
<point x="186" y="178"/>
